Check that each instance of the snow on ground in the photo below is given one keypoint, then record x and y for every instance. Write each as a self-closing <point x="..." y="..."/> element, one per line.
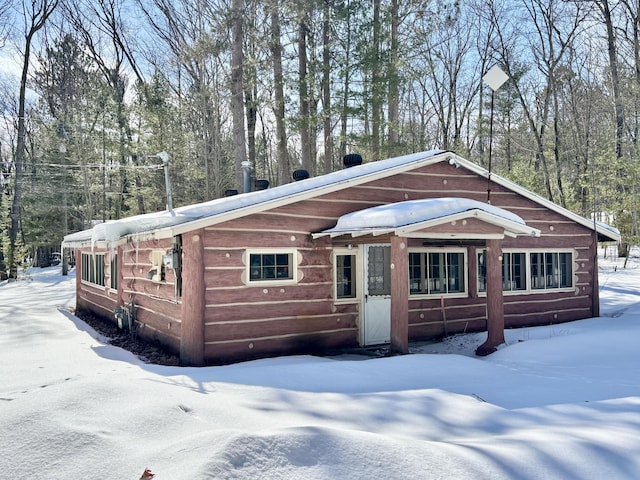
<point x="559" y="402"/>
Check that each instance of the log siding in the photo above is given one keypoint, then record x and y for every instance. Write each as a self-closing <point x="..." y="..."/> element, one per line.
<point x="241" y="319"/>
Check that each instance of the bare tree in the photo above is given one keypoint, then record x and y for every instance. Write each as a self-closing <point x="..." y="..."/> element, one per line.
<point x="99" y="24"/>
<point x="394" y="80"/>
<point x="326" y="86"/>
<point x="35" y="16"/>
<point x="237" y="88"/>
<point x="605" y="9"/>
<point x="303" y="88"/>
<point x="278" y="83"/>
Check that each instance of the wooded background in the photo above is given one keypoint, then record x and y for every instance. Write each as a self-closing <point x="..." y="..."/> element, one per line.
<point x="92" y="90"/>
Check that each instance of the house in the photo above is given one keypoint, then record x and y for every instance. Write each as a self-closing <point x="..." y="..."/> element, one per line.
<point x="409" y="248"/>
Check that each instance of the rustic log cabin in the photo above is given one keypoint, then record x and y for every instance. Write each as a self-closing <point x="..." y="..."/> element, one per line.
<point x="410" y="248"/>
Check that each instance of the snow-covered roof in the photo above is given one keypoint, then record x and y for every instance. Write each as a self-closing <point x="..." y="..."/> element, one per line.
<point x="405" y="217"/>
<point x="167" y="224"/>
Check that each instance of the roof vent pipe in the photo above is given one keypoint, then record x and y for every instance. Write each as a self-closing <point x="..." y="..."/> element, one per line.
<point x="246" y="176"/>
<point x="164" y="156"/>
<point x="261" y="184"/>
<point x="351" y="160"/>
<point x="300" y="175"/>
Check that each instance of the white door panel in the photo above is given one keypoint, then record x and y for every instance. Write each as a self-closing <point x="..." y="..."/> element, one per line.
<point x="377" y="295"/>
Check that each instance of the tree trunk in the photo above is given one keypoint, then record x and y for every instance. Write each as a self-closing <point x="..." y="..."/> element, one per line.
<point x="326" y="87"/>
<point x="376" y="103"/>
<point x="278" y="82"/>
<point x="394" y="80"/>
<point x="237" y="102"/>
<point x="40" y="12"/>
<point x="303" y="91"/>
<point x="615" y="78"/>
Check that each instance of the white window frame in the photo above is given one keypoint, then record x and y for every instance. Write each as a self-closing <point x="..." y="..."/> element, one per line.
<point x="529" y="290"/>
<point x="357" y="274"/>
<point x="465" y="273"/>
<point x="292" y="252"/>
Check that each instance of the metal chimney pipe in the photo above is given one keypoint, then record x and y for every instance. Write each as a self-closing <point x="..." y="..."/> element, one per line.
<point x="164" y="156"/>
<point x="246" y="176"/>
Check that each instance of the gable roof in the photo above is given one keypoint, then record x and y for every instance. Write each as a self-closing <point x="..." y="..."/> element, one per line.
<point x="183" y="219"/>
<point x="407" y="218"/>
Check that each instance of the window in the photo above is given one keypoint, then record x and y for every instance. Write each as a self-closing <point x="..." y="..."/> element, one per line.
<point x="551" y="270"/>
<point x="345" y="276"/>
<point x="271" y="266"/>
<point x="93" y="268"/>
<point x="437" y="272"/>
<point x="514" y="271"/>
<point x="546" y="270"/>
<point x="113" y="272"/>
<point x="379" y="270"/>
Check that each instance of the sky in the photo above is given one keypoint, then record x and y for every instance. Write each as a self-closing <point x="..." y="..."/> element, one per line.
<point x="558" y="402"/>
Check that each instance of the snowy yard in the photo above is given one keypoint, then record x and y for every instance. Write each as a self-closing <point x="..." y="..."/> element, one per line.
<point x="557" y="402"/>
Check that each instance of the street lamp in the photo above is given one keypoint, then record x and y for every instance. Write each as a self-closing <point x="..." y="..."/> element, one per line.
<point x="495" y="78"/>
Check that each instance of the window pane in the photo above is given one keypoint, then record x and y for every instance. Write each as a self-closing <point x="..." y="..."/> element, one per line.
<point x="566" y="270"/>
<point x="378" y="273"/>
<point x="99" y="278"/>
<point x="552" y="271"/>
<point x="282" y="265"/>
<point x="416" y="269"/>
<point x="518" y="271"/>
<point x="482" y="272"/>
<point x="455" y="266"/>
<point x="255" y="267"/>
<point x="113" y="282"/>
<point x="268" y="260"/>
<point x="537" y="271"/>
<point x="437" y="278"/>
<point x="345" y="276"/>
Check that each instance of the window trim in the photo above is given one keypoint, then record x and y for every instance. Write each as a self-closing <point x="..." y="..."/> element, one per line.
<point x="357" y="274"/>
<point x="444" y="250"/>
<point x="271" y="251"/>
<point x="529" y="290"/>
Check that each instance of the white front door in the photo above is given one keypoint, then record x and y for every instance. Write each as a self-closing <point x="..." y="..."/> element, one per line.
<point x="377" y="295"/>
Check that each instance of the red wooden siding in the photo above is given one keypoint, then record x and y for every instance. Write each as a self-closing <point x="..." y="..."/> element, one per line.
<point x="243" y="320"/>
<point x="98" y="299"/>
<point x="271" y="318"/>
<point x="157" y="306"/>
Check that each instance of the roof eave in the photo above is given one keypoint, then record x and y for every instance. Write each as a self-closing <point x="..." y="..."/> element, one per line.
<point x="601" y="231"/>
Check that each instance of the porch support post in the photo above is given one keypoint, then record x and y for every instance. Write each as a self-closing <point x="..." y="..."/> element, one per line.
<point x="595" y="290"/>
<point x="193" y="301"/>
<point x="495" y="299"/>
<point x="399" y="295"/>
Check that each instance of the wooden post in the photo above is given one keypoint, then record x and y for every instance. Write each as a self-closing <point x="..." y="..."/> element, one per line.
<point x="193" y="301"/>
<point x="495" y="299"/>
<point x="399" y="295"/>
<point x="595" y="288"/>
